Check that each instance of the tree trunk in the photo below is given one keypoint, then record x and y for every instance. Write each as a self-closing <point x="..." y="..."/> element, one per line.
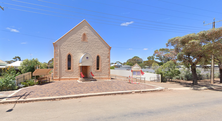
<point x="220" y="70"/>
<point x="194" y="74"/>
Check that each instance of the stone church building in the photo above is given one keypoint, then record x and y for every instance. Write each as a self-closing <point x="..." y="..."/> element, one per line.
<point x="81" y="54"/>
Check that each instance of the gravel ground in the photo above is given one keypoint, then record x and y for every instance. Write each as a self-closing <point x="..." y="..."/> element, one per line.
<point x="60" y="88"/>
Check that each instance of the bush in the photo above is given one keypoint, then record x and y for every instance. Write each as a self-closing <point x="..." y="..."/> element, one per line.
<point x="185" y="74"/>
<point x="27" y="83"/>
<point x="168" y="71"/>
<point x="217" y="75"/>
<point x="112" y="67"/>
<point x="8" y="80"/>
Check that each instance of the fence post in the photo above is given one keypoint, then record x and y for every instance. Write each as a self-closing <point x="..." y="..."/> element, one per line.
<point x="16" y="81"/>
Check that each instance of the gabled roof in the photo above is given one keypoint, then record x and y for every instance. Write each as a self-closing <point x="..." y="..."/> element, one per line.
<point x="15" y="64"/>
<point x="77" y="26"/>
<point x="2" y="63"/>
<point x="136" y="67"/>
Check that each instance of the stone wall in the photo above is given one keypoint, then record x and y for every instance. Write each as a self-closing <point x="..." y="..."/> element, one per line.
<point x="72" y="43"/>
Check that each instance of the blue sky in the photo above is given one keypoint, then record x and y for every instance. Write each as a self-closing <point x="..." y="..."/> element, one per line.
<point x="131" y="27"/>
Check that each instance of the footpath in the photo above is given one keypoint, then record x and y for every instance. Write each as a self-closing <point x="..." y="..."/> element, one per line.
<point x="58" y="90"/>
<point x="63" y="90"/>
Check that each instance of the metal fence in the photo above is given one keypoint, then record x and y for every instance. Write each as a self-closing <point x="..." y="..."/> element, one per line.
<point x="23" y="77"/>
<point x="123" y="78"/>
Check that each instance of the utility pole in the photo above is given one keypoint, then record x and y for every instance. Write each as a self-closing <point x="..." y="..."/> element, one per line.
<point x="212" y="56"/>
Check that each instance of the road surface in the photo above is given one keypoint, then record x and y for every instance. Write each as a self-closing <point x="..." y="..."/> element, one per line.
<point x="182" y="105"/>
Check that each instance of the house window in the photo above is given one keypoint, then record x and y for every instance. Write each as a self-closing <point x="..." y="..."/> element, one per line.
<point x="84" y="37"/>
<point x="97" y="62"/>
<point x="69" y="62"/>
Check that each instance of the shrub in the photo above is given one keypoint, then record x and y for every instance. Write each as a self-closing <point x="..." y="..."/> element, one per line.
<point x="8" y="80"/>
<point x="27" y="83"/>
<point x="185" y="74"/>
<point x="217" y="75"/>
<point x="168" y="71"/>
<point x="112" y="67"/>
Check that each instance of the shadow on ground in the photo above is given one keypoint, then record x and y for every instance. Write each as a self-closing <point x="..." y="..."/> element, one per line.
<point x="217" y="86"/>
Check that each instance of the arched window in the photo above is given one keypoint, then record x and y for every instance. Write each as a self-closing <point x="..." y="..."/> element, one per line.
<point x="69" y="62"/>
<point x="84" y="37"/>
<point x="97" y="62"/>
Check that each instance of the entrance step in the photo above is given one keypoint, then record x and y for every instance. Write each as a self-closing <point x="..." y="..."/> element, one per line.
<point x="87" y="79"/>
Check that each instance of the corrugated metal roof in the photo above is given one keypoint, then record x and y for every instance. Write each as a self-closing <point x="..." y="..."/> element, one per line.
<point x="39" y="72"/>
<point x="3" y="63"/>
<point x="15" y="64"/>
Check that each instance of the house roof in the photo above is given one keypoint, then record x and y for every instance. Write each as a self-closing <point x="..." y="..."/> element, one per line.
<point x="77" y="26"/>
<point x="2" y="63"/>
<point x="15" y="64"/>
<point x="2" y="66"/>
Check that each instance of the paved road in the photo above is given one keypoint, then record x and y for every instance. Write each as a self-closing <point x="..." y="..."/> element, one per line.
<point x="184" y="105"/>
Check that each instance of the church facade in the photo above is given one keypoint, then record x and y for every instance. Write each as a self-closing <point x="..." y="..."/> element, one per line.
<point x="81" y="53"/>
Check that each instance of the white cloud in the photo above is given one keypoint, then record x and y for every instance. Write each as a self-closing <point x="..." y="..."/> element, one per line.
<point x="145" y="48"/>
<point x="130" y="49"/>
<point x="23" y="43"/>
<point x="126" y="23"/>
<point x="12" y="30"/>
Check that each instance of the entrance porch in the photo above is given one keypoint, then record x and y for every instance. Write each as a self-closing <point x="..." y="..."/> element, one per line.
<point x="85" y="67"/>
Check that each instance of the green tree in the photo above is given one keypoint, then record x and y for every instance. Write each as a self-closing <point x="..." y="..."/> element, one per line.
<point x="168" y="70"/>
<point x="29" y="65"/>
<point x="150" y="58"/>
<point x="148" y="62"/>
<point x="134" y="60"/>
<point x="44" y="65"/>
<point x="17" y="58"/>
<point x="218" y="58"/>
<point x="155" y="66"/>
<point x="214" y="46"/>
<point x="164" y="55"/>
<point x="191" y="49"/>
<point x="142" y="65"/>
<point x="51" y="63"/>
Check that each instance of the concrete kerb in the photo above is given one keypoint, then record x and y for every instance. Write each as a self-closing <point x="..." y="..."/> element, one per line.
<point x="11" y="95"/>
<point x="77" y="96"/>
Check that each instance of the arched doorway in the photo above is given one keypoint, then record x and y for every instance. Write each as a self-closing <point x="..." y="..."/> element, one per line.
<point x="85" y="65"/>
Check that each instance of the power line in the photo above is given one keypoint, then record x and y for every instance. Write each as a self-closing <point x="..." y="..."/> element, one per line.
<point x="114" y="14"/>
<point x="99" y="22"/>
<point x="29" y="35"/>
<point x="105" y="13"/>
<point x="172" y="28"/>
<point x="56" y="39"/>
<point x="190" y="6"/>
<point x="149" y="11"/>
<point x="165" y="9"/>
